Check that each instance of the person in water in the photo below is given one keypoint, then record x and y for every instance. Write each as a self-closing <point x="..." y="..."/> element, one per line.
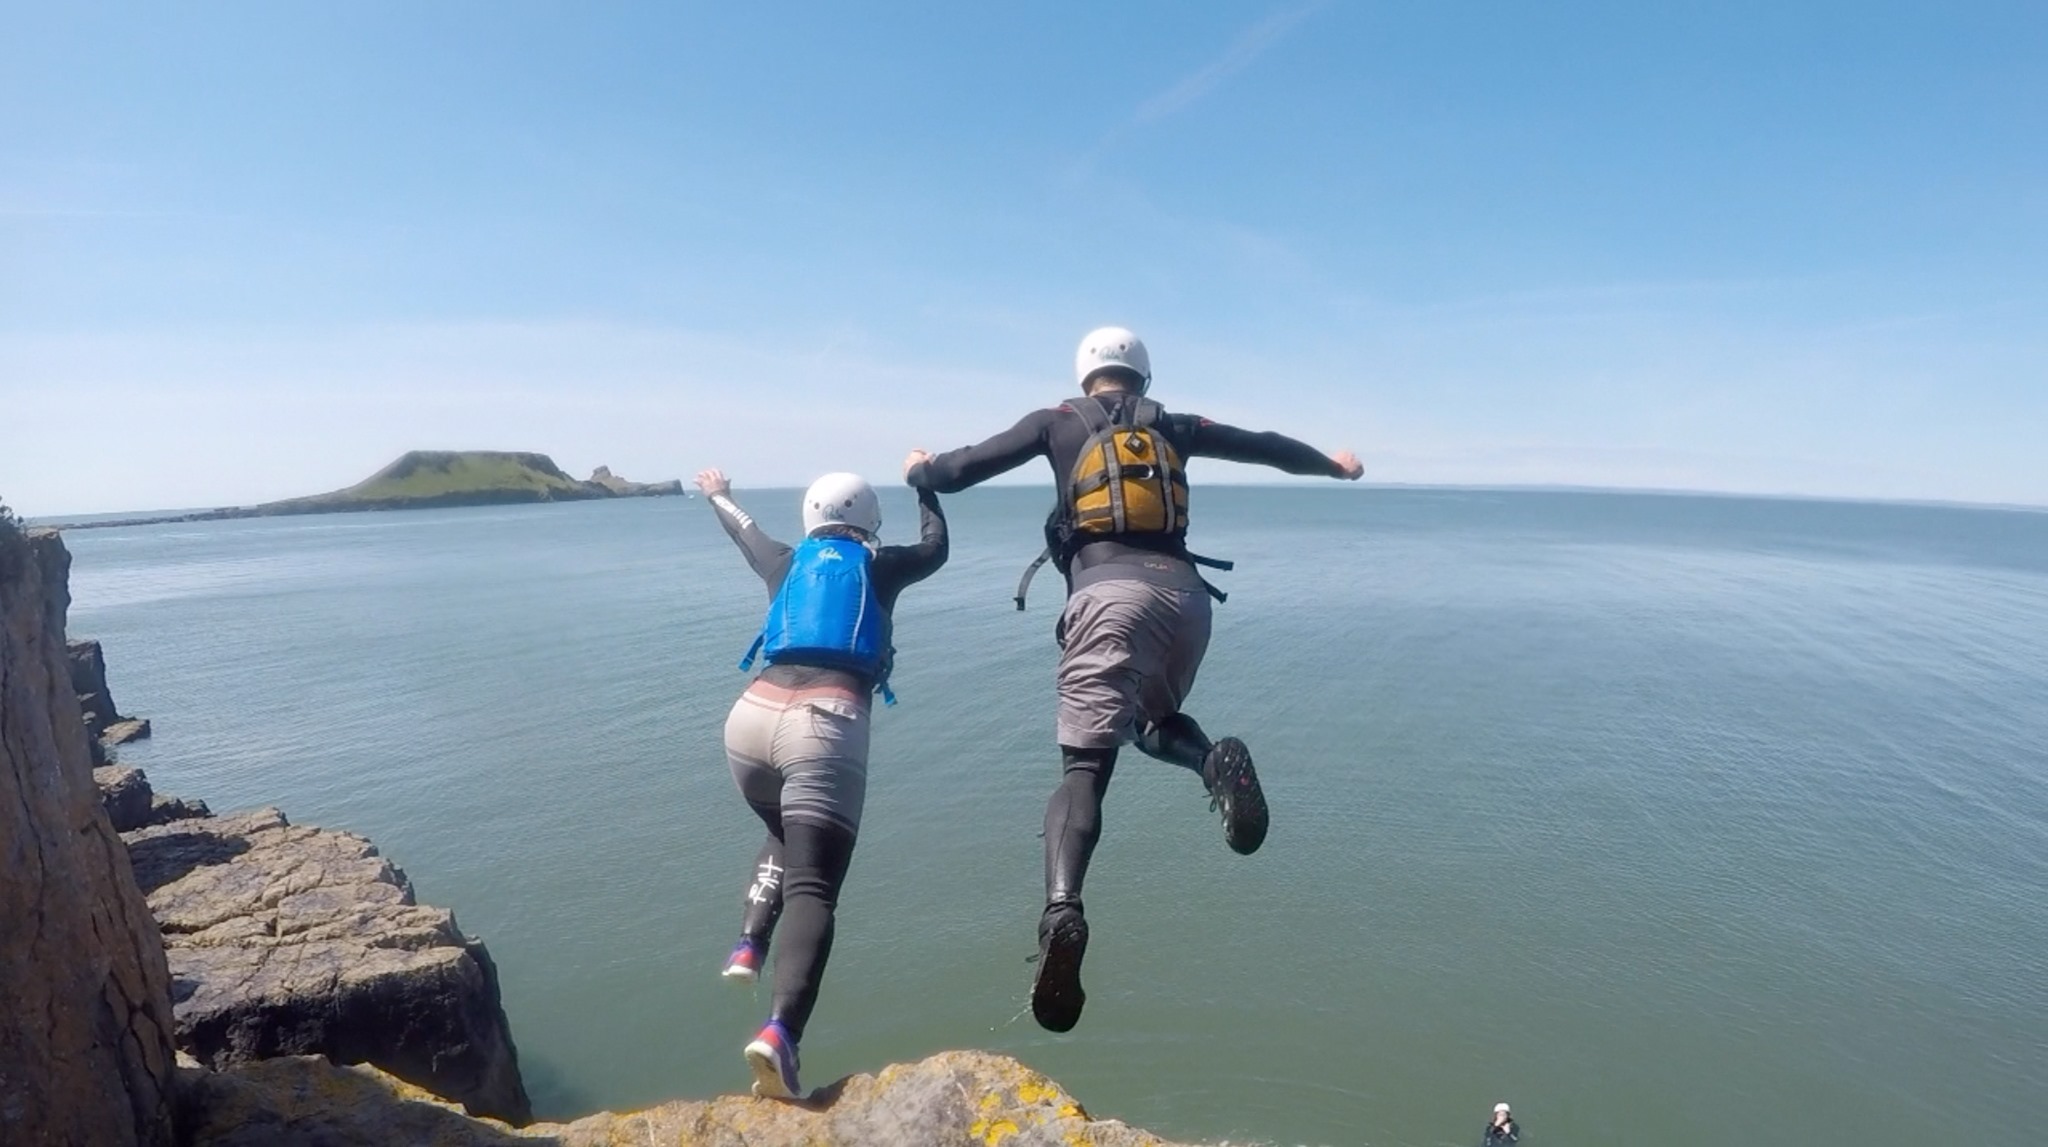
<point x="1502" y="1128"/>
<point x="1136" y="621"/>
<point x="797" y="739"/>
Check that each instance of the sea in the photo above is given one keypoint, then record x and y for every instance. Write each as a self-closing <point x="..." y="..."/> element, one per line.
<point x="1666" y="819"/>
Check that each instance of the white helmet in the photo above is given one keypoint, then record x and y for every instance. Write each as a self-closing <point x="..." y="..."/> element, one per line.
<point x="1112" y="346"/>
<point x="843" y="500"/>
<point x="1501" y="1108"/>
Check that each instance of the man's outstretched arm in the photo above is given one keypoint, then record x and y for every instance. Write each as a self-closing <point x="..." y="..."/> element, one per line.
<point x="1208" y="439"/>
<point x="955" y="470"/>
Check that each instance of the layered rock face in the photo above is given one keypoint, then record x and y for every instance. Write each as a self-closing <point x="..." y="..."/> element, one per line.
<point x="955" y="1099"/>
<point x="85" y="1027"/>
<point x="89" y="679"/>
<point x="286" y="940"/>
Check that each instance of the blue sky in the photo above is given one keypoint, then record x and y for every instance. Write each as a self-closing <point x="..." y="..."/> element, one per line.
<point x="249" y="251"/>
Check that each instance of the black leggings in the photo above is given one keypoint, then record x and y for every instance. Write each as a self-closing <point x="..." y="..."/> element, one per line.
<point x="1073" y="817"/>
<point x="796" y="879"/>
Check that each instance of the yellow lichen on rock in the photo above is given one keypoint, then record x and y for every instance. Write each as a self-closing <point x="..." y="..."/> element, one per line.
<point x="993" y="1131"/>
<point x="950" y="1099"/>
<point x="1035" y="1088"/>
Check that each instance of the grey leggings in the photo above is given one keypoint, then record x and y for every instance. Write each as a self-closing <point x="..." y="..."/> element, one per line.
<point x="799" y="757"/>
<point x="801" y="751"/>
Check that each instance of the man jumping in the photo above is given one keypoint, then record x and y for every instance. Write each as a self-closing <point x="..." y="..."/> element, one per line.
<point x="1136" y="622"/>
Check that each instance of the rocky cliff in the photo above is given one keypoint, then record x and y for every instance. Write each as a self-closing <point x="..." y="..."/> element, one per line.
<point x="85" y="1023"/>
<point x="286" y="940"/>
<point x="954" y="1099"/>
<point x="89" y="680"/>
<point x="603" y="476"/>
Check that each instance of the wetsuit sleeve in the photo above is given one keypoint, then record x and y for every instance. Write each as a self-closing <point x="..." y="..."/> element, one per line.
<point x="768" y="557"/>
<point x="955" y="470"/>
<point x="1208" y="439"/>
<point x="899" y="566"/>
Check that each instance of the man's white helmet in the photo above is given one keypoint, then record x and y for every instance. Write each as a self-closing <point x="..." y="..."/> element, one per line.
<point x="1112" y="346"/>
<point x="842" y="500"/>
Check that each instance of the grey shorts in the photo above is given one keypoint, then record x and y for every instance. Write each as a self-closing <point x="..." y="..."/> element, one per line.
<point x="1129" y="650"/>
<point x="802" y="752"/>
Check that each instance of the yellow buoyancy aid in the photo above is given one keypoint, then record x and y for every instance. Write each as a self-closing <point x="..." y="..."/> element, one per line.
<point x="1128" y="479"/>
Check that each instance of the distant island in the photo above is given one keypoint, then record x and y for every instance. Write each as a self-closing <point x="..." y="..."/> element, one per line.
<point x="435" y="479"/>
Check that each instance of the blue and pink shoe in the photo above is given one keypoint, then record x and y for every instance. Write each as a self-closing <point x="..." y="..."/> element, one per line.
<point x="744" y="965"/>
<point x="772" y="1057"/>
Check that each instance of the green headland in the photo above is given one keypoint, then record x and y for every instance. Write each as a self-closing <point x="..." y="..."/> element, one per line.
<point x="430" y="479"/>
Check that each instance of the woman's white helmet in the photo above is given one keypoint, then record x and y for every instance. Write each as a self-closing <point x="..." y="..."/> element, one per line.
<point x="1112" y="346"/>
<point x="842" y="500"/>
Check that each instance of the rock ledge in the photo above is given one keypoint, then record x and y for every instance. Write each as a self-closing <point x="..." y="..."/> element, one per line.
<point x="285" y="941"/>
<point x="952" y="1099"/>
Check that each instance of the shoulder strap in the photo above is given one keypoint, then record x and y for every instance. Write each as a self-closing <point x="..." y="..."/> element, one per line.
<point x="1095" y="419"/>
<point x="1093" y="414"/>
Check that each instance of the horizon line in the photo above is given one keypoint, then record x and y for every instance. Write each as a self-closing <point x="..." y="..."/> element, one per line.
<point x="59" y="520"/>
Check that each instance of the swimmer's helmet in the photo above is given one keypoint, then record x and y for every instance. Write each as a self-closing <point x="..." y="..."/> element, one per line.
<point x="1106" y="347"/>
<point x="844" y="500"/>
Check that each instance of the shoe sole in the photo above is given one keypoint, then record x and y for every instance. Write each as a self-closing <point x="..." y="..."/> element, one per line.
<point x="761" y="1060"/>
<point x="1246" y="819"/>
<point x="1056" y="995"/>
<point x="739" y="975"/>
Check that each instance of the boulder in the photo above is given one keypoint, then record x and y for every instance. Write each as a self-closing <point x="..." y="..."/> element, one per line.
<point x="285" y="940"/>
<point x="85" y="1023"/>
<point x="164" y="810"/>
<point x="125" y="794"/>
<point x="130" y="803"/>
<point x="953" y="1098"/>
<point x="125" y="730"/>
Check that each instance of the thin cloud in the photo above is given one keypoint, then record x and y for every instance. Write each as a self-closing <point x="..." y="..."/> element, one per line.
<point x="1250" y="44"/>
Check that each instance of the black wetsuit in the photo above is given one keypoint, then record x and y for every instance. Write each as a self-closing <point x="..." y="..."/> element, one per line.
<point x="1073" y="818"/>
<point x="1057" y="435"/>
<point x="812" y="855"/>
<point x="1499" y="1133"/>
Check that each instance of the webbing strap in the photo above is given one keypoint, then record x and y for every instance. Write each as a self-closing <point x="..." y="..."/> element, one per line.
<point x="1031" y="571"/>
<point x="1113" y="469"/>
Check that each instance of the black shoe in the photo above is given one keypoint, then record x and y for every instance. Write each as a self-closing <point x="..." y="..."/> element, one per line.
<point x="1234" y="791"/>
<point x="1056" y="995"/>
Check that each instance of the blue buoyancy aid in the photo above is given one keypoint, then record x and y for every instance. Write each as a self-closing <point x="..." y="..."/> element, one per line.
<point x="827" y="613"/>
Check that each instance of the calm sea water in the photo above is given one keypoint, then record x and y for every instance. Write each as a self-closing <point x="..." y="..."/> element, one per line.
<point x="1684" y="820"/>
